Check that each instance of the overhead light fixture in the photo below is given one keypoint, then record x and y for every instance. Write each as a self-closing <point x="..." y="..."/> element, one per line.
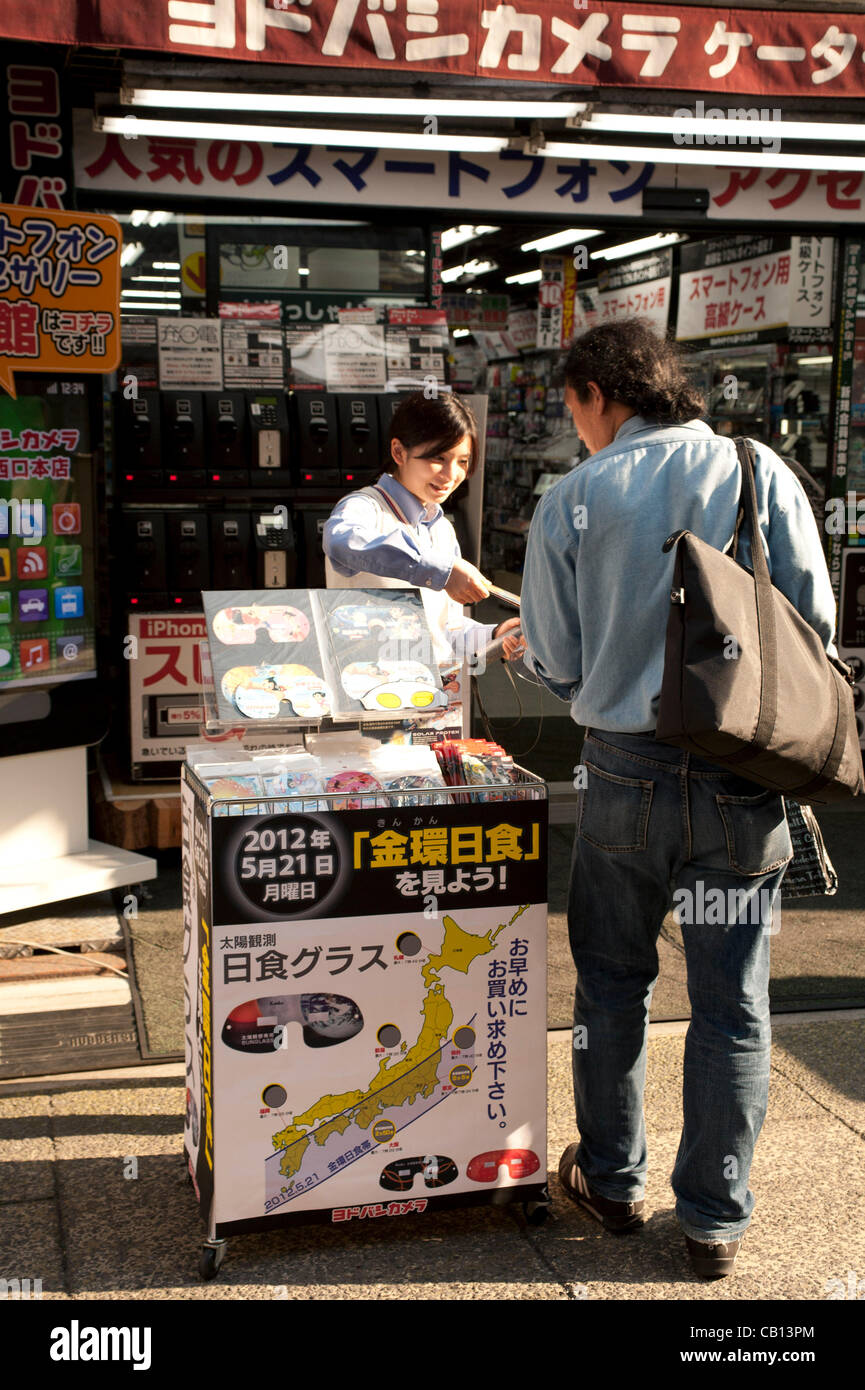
<point x="303" y="270"/>
<point x="455" y="236"/>
<point x="525" y="277"/>
<point x="160" y="98"/>
<point x="717" y="157"/>
<point x="813" y="361"/>
<point x="131" y="127"/>
<point x="456" y="272"/>
<point x="163" y="279"/>
<point x="461" y="332"/>
<point x="166" y="265"/>
<point x="632" y="248"/>
<point x="150" y="308"/>
<point x="565" y="238"/>
<point x="138" y="216"/>
<point x="130" y="253"/>
<point x="157" y="219"/>
<point x="706" y="125"/>
<point x="152" y="294"/>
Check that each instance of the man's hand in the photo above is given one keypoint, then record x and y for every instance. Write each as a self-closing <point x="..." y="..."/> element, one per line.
<point x="466" y="584"/>
<point x="512" y="647"/>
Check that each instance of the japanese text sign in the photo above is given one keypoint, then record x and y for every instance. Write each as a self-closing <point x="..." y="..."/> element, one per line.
<point x="59" y="292"/>
<point x="617" y="44"/>
<point x="741" y="287"/>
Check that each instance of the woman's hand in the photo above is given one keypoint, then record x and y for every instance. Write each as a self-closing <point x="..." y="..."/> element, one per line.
<point x="513" y="647"/>
<point x="466" y="584"/>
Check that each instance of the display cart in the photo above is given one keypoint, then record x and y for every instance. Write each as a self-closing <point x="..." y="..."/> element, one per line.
<point x="365" y="986"/>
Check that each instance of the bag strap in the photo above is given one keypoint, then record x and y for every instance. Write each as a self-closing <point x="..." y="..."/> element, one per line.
<point x="765" y="602"/>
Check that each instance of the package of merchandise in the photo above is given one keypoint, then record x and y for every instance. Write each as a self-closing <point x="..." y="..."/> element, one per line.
<point x="477" y="762"/>
<point x="229" y="782"/>
<point x="265" y="653"/>
<point x="347" y="764"/>
<point x="380" y="653"/>
<point x="295" y="774"/>
<point x="414" y="772"/>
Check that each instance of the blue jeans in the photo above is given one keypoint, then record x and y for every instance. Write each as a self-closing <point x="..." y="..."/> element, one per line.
<point x="660" y="828"/>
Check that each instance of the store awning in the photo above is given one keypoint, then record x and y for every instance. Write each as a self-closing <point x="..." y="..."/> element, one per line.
<point x="710" y="49"/>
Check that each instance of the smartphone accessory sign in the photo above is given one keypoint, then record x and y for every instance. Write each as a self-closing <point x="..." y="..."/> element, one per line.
<point x="59" y="292"/>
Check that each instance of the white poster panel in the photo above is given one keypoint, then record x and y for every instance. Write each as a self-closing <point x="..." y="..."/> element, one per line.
<point x="354" y="357"/>
<point x="811" y="285"/>
<point x="399" y="1104"/>
<point x="371" y="1064"/>
<point x="726" y="295"/>
<point x="190" y="354"/>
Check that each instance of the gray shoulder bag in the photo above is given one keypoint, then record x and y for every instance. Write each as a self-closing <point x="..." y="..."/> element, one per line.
<point x="747" y="682"/>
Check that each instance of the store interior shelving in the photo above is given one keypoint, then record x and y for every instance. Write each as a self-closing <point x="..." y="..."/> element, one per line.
<point x="530" y="442"/>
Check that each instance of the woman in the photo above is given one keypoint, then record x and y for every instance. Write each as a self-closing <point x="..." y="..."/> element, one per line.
<point x="395" y="534"/>
<point x="652" y="818"/>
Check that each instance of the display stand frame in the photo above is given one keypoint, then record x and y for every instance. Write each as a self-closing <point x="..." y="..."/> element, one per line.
<point x="211" y="1131"/>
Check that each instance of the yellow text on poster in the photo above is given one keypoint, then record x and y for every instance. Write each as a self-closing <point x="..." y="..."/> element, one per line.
<point x="59" y="292"/>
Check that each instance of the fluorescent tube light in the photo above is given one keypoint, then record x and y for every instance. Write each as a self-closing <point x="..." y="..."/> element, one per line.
<point x="716" y="157"/>
<point x="166" y="279"/>
<point x="130" y="253"/>
<point x="813" y="361"/>
<point x="454" y="272"/>
<point x="132" y="126"/>
<point x="566" y="238"/>
<point x="455" y="236"/>
<point x="152" y="294"/>
<point x="166" y="265"/>
<point x="525" y="277"/>
<point x="631" y="248"/>
<point x="348" y="105"/>
<point x="702" y="125"/>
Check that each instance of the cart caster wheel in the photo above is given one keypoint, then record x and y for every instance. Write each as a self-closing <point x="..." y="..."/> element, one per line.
<point x="210" y="1261"/>
<point x="536" y="1213"/>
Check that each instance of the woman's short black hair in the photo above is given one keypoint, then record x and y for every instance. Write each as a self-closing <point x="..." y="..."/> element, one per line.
<point x="432" y="426"/>
<point x="633" y="364"/>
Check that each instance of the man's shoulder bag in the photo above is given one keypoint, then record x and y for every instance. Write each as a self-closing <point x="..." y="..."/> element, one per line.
<point x="747" y="682"/>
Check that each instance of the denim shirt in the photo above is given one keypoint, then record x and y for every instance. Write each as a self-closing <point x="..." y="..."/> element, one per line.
<point x="596" y="587"/>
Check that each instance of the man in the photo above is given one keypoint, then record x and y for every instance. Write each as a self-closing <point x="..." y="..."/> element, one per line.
<point x="652" y="818"/>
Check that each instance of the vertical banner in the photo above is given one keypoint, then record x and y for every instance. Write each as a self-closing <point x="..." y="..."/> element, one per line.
<point x="36" y="136"/>
<point x="198" y="1131"/>
<point x="556" y="302"/>
<point x="436" y="271"/>
<point x="551" y="302"/>
<point x="845" y="506"/>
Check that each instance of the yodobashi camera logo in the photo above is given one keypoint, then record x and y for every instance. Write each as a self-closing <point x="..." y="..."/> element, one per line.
<point x="727" y="126"/>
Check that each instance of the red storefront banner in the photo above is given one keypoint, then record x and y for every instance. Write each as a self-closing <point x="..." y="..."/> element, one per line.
<point x="702" y="49"/>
